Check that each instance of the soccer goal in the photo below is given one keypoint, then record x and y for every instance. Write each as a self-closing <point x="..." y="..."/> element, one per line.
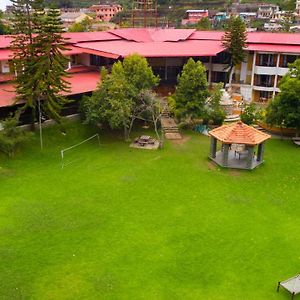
<point x="70" y="155"/>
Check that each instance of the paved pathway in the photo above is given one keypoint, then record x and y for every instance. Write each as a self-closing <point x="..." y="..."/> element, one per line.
<point x="169" y="125"/>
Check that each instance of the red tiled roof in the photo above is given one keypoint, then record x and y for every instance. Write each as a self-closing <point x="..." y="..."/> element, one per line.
<point x="145" y="35"/>
<point x="278" y="38"/>
<point x="7" y="94"/>
<point x="71" y="50"/>
<point x="156" y="49"/>
<point x="239" y="133"/>
<point x="207" y="35"/>
<point x="77" y="37"/>
<point x="5" y="41"/>
<point x="274" y="48"/>
<point x="82" y="82"/>
<point x="5" y="54"/>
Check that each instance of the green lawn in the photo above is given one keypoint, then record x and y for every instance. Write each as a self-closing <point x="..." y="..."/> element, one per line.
<point x="121" y="223"/>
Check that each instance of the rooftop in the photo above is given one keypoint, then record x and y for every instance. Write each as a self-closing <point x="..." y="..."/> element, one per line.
<point x="154" y="42"/>
<point x="239" y="133"/>
<point x="83" y="80"/>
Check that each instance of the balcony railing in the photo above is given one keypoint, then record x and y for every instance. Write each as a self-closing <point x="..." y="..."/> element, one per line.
<point x="264" y="83"/>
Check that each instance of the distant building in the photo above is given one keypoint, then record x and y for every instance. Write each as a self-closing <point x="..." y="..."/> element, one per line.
<point x="70" y="18"/>
<point x="193" y="16"/>
<point x="237" y="8"/>
<point x="220" y="16"/>
<point x="272" y="27"/>
<point x="247" y="17"/>
<point x="105" y="12"/>
<point x="266" y="11"/>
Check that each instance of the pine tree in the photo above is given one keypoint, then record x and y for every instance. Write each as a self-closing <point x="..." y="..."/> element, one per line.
<point x="234" y="40"/>
<point x="23" y="28"/>
<point x="49" y="78"/>
<point x="38" y="58"/>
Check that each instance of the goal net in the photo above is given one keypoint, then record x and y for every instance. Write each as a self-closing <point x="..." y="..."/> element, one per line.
<point x="76" y="152"/>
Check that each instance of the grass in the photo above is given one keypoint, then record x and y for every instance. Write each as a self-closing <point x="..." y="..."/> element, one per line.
<point x="121" y="223"/>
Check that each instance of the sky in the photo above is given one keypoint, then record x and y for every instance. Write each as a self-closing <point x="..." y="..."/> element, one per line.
<point x="3" y="4"/>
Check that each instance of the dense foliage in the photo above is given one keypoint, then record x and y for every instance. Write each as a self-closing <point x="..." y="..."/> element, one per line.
<point x="204" y="24"/>
<point x="119" y="99"/>
<point x="4" y="29"/>
<point x="191" y="91"/>
<point x="284" y="110"/>
<point x="215" y="112"/>
<point x="84" y="26"/>
<point x="250" y="114"/>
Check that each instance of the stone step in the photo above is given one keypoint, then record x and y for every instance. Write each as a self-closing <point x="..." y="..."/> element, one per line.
<point x="173" y="136"/>
<point x="170" y="129"/>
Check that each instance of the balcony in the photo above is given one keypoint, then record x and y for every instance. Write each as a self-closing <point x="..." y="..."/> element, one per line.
<point x="263" y="70"/>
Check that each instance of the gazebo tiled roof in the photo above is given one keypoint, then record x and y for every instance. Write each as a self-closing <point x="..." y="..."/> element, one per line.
<point x="239" y="133"/>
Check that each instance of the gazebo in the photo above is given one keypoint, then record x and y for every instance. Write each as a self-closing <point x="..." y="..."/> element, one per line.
<point x="239" y="143"/>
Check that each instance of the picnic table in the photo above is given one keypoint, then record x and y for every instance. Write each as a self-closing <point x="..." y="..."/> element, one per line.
<point x="143" y="140"/>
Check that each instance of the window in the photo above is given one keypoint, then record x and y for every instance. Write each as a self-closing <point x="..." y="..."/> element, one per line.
<point x="266" y="60"/>
<point x="221" y="58"/>
<point x="287" y="59"/>
<point x="265" y="96"/>
<point x="264" y="80"/>
<point x="218" y="77"/>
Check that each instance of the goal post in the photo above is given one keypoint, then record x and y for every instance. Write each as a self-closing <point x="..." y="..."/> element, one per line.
<point x="62" y="152"/>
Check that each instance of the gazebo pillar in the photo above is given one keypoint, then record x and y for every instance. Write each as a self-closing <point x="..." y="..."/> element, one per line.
<point x="213" y="147"/>
<point x="260" y="152"/>
<point x="225" y="154"/>
<point x="250" y="157"/>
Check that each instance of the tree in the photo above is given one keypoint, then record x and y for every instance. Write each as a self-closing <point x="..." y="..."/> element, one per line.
<point x="49" y="65"/>
<point x="234" y="41"/>
<point x="118" y="99"/>
<point x="23" y="28"/>
<point x="84" y="26"/>
<point x="139" y="73"/>
<point x="204" y="24"/>
<point x="284" y="110"/>
<point x="250" y="114"/>
<point x="38" y="60"/>
<point x="215" y="111"/>
<point x="11" y="135"/>
<point x="287" y="21"/>
<point x="4" y="29"/>
<point x="151" y="109"/>
<point x="191" y="91"/>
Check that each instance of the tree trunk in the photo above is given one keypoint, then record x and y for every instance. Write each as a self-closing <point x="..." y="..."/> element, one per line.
<point x="126" y="136"/>
<point x="155" y="127"/>
<point x="130" y="126"/>
<point x="32" y="119"/>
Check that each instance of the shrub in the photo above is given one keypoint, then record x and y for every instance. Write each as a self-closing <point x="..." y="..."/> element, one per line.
<point x="250" y="114"/>
<point x="11" y="136"/>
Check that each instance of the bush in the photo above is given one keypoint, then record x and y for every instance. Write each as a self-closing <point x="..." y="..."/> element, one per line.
<point x="11" y="136"/>
<point x="250" y="114"/>
<point x="217" y="117"/>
